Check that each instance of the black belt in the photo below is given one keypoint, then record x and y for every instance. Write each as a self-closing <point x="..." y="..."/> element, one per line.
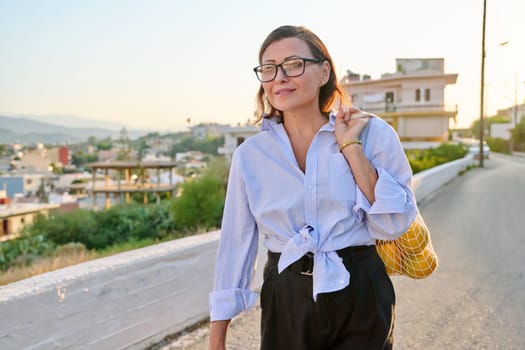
<point x="305" y="265"/>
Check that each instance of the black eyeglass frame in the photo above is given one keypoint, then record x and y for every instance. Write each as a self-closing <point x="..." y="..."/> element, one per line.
<point x="304" y="59"/>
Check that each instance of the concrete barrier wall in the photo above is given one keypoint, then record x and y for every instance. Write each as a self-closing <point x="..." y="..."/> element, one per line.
<point x="134" y="299"/>
<point x="428" y="181"/>
<point x="126" y="301"/>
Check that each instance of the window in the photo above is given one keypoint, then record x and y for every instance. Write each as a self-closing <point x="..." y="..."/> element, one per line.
<point x="418" y="95"/>
<point x="389" y="101"/>
<point x="240" y="140"/>
<point x="5" y="227"/>
<point x="427" y="94"/>
<point x="355" y="99"/>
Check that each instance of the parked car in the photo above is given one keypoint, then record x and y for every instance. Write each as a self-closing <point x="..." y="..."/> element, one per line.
<point x="474" y="149"/>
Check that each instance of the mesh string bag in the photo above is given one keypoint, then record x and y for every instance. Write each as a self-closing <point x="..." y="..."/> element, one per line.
<point x="412" y="254"/>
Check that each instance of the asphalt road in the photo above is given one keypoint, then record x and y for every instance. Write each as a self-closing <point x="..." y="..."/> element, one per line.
<point x="476" y="298"/>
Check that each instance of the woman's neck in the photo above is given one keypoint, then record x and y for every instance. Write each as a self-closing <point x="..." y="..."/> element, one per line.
<point x="301" y="130"/>
<point x="303" y="124"/>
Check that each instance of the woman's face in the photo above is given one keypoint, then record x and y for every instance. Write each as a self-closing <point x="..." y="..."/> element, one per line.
<point x="293" y="94"/>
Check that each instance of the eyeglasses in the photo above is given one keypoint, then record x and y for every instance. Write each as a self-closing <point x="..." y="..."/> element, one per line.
<point x="292" y="67"/>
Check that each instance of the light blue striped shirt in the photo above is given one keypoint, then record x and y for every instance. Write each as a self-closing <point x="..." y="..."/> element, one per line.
<point x="320" y="211"/>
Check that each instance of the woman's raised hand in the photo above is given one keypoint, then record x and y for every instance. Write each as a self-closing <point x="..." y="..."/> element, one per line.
<point x="349" y="123"/>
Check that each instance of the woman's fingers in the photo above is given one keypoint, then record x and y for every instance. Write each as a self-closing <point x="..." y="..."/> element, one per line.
<point x="346" y="113"/>
<point x="359" y="115"/>
<point x="353" y="110"/>
<point x="341" y="112"/>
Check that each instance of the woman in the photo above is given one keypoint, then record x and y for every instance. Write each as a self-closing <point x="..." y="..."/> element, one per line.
<point x="319" y="188"/>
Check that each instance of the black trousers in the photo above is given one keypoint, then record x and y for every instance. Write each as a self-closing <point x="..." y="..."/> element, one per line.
<point x="358" y="317"/>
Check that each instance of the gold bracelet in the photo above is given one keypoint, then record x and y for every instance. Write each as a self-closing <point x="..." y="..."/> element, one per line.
<point x="348" y="143"/>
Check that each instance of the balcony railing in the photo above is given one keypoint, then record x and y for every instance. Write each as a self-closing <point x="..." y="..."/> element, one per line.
<point x="393" y="107"/>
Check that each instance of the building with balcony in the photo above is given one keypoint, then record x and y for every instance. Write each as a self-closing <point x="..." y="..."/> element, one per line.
<point x="122" y="179"/>
<point x="412" y="99"/>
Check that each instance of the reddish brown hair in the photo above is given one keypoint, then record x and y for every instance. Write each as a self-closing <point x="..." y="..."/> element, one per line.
<point x="329" y="92"/>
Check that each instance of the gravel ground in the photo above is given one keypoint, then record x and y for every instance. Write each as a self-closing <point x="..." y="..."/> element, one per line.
<point x="242" y="335"/>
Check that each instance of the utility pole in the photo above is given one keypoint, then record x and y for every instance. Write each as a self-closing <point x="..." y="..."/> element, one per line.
<point x="515" y="99"/>
<point x="482" y="87"/>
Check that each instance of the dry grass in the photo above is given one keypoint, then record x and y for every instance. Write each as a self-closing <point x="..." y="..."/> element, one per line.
<point x="67" y="255"/>
<point x="76" y="253"/>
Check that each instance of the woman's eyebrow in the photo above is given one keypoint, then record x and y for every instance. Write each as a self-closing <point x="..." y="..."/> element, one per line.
<point x="286" y="58"/>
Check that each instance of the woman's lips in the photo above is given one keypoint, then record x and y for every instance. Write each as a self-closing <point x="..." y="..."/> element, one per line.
<point x="282" y="92"/>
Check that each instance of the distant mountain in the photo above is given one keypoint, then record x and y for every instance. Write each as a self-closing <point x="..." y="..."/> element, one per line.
<point x="70" y="121"/>
<point x="26" y="131"/>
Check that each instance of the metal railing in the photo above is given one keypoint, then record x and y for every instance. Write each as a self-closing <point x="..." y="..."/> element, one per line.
<point x="392" y="107"/>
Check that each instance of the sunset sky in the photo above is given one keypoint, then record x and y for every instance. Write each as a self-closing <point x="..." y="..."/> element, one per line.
<point x="155" y="63"/>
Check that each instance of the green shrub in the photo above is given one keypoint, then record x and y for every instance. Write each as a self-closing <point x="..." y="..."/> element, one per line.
<point x="138" y="197"/>
<point x="98" y="230"/>
<point x="76" y="226"/>
<point x="115" y="225"/>
<point x="200" y="205"/>
<point x="23" y="250"/>
<point x="428" y="158"/>
<point x="124" y="223"/>
<point x="518" y="136"/>
<point x="498" y="144"/>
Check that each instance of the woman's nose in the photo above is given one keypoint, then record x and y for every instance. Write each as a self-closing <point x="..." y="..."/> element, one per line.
<point x="281" y="75"/>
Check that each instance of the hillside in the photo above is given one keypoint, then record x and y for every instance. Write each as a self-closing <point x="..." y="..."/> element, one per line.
<point x="26" y="131"/>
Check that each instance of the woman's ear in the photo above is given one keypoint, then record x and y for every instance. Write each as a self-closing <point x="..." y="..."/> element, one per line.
<point x="325" y="69"/>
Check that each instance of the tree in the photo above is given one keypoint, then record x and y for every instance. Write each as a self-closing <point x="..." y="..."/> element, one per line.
<point x="125" y="148"/>
<point x="200" y="205"/>
<point x="105" y="144"/>
<point x="141" y="148"/>
<point x="496" y="119"/>
<point x="518" y="136"/>
<point x="80" y="158"/>
<point x="209" y="145"/>
<point x="3" y="150"/>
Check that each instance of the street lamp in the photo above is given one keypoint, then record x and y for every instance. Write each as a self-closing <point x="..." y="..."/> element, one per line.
<point x="482" y="86"/>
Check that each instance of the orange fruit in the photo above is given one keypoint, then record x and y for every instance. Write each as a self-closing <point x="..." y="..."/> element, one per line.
<point x="420" y="265"/>
<point x="391" y="256"/>
<point x="415" y="239"/>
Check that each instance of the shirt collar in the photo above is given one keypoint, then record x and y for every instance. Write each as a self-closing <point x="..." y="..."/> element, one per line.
<point x="269" y="123"/>
<point x="330" y="126"/>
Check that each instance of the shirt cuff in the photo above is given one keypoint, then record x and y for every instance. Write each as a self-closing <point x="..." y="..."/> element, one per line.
<point x="390" y="197"/>
<point x="362" y="206"/>
<point x="228" y="303"/>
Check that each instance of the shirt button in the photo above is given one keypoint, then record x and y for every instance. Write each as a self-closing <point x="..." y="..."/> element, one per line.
<point x="310" y="187"/>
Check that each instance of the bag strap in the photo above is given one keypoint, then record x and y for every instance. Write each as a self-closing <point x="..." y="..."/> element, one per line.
<point x="366" y="130"/>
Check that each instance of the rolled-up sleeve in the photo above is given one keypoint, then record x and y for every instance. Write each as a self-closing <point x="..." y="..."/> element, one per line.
<point x="395" y="206"/>
<point x="237" y="252"/>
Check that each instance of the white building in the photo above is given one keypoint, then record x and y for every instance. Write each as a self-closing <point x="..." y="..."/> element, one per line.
<point x="515" y="115"/>
<point x="234" y="136"/>
<point x="412" y="99"/>
<point x="25" y="184"/>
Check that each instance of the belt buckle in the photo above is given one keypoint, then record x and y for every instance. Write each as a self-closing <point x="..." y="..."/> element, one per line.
<point x="308" y="264"/>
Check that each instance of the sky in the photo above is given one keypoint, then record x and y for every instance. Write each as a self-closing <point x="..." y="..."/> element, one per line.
<point x="154" y="64"/>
